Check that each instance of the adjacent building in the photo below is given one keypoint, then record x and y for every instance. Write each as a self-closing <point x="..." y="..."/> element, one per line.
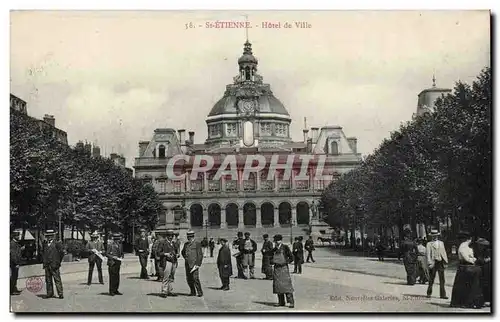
<point x="248" y="120"/>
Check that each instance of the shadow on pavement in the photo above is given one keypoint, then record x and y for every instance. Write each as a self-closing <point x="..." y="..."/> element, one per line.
<point x="135" y="278"/>
<point x="214" y="288"/>
<point x="445" y="305"/>
<point x="104" y="293"/>
<point x="273" y="304"/>
<point x="44" y="296"/>
<point x="416" y="295"/>
<point x="397" y="283"/>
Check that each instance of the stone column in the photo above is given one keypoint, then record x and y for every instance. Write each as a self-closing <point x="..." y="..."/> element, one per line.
<point x="205" y="182"/>
<point x="276" y="217"/>
<point x="205" y="215"/>
<point x="223" y="184"/>
<point x="257" y="175"/>
<point x="292" y="179"/>
<point x="258" y="222"/>
<point x="276" y="188"/>
<point x="240" y="180"/>
<point x="294" y="215"/>
<point x="188" y="181"/>
<point x="241" y="223"/>
<point x="223" y="223"/>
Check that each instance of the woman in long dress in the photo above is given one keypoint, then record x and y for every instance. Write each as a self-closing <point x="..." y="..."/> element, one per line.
<point x="282" y="282"/>
<point x="422" y="267"/>
<point x="483" y="256"/>
<point x="466" y="291"/>
<point x="409" y="252"/>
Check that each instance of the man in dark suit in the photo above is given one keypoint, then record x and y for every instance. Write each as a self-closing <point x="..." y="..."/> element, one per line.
<point x="193" y="255"/>
<point x="309" y="246"/>
<point x="15" y="261"/>
<point x="53" y="253"/>
<point x="168" y="253"/>
<point x="115" y="257"/>
<point x="142" y="250"/>
<point x="95" y="248"/>
<point x="267" y="255"/>
<point x="298" y="255"/>
<point x="239" y="258"/>
<point x="224" y="264"/>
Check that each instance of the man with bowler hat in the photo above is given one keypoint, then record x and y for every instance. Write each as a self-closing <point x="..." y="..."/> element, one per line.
<point x="224" y="264"/>
<point x="168" y="253"/>
<point x="267" y="255"/>
<point x="239" y="256"/>
<point x="193" y="256"/>
<point x="95" y="248"/>
<point x="115" y="258"/>
<point x="282" y="282"/>
<point x="142" y="250"/>
<point x="53" y="253"/>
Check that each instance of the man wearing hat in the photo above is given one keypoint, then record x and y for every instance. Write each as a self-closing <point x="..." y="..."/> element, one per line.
<point x="53" y="253"/>
<point x="282" y="282"/>
<point x="267" y="255"/>
<point x="142" y="250"/>
<point x="95" y="249"/>
<point x="239" y="256"/>
<point x="193" y="256"/>
<point x="168" y="255"/>
<point x="15" y="261"/>
<point x="115" y="257"/>
<point x="309" y="246"/>
<point x="248" y="247"/>
<point x="224" y="264"/>
<point x="436" y="259"/>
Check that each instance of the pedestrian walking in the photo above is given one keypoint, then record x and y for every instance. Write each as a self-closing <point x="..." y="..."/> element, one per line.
<point x="309" y="246"/>
<point x="142" y="251"/>
<point x="437" y="260"/>
<point x="267" y="255"/>
<point x="53" y="254"/>
<point x="239" y="255"/>
<point x="204" y="245"/>
<point x="115" y="258"/>
<point x="15" y="261"/>
<point x="95" y="248"/>
<point x="151" y="257"/>
<point x="409" y="252"/>
<point x="193" y="256"/>
<point x="380" y="248"/>
<point x="422" y="267"/>
<point x="282" y="282"/>
<point x="467" y="292"/>
<point x="224" y="264"/>
<point x="298" y="256"/>
<point x="248" y="248"/>
<point x="211" y="245"/>
<point x="168" y="253"/>
<point x="157" y="259"/>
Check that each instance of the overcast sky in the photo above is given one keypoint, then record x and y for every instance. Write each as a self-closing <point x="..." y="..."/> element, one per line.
<point x="113" y="77"/>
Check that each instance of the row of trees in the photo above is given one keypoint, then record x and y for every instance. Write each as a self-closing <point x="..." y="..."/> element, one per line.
<point x="435" y="168"/>
<point x="49" y="180"/>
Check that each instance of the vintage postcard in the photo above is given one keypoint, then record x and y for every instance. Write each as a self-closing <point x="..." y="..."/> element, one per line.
<point x="258" y="161"/>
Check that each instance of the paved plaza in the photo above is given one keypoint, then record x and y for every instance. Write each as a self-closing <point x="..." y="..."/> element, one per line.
<point x="335" y="283"/>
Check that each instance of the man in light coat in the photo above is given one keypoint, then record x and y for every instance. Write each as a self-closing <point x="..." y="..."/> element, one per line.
<point x="437" y="260"/>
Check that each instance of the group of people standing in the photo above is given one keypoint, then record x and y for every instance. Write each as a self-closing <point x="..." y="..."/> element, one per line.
<point x="471" y="288"/>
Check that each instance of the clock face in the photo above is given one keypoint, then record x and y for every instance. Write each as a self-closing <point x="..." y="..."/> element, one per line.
<point x="247" y="106"/>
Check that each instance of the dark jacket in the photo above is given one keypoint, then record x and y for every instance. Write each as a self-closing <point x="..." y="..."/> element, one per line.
<point x="267" y="249"/>
<point x="53" y="254"/>
<point x="286" y="252"/>
<point x="211" y="244"/>
<point x="309" y="246"/>
<point x="224" y="262"/>
<point x="154" y="249"/>
<point x="242" y="249"/>
<point x="142" y="244"/>
<point x="114" y="250"/>
<point x="298" y="251"/>
<point x="193" y="254"/>
<point x="15" y="253"/>
<point x="166" y="247"/>
<point x="97" y="245"/>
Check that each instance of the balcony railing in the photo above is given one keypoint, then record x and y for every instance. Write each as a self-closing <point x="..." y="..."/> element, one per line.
<point x="214" y="185"/>
<point x="284" y="185"/>
<point x="196" y="185"/>
<point x="302" y="185"/>
<point x="231" y="185"/>
<point x="267" y="185"/>
<point x="249" y="185"/>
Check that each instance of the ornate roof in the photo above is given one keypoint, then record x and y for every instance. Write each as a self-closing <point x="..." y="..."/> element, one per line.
<point x="267" y="104"/>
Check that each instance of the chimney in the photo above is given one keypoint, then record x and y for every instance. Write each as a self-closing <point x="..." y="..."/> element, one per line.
<point x="314" y="134"/>
<point x="79" y="145"/>
<point x="191" y="137"/>
<point x="50" y="119"/>
<point x="88" y="149"/>
<point x="182" y="136"/>
<point x="305" y="135"/>
<point x="353" y="143"/>
<point x="96" y="151"/>
<point x="143" y="145"/>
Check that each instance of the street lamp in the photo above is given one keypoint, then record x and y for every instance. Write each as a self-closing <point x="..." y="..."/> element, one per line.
<point x="291" y="231"/>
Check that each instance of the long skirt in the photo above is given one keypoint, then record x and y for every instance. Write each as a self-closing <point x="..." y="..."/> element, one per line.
<point x="467" y="291"/>
<point x="422" y="269"/>
<point x="411" y="270"/>
<point x="282" y="282"/>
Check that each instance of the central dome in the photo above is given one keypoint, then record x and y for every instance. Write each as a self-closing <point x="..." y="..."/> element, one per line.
<point x="267" y="104"/>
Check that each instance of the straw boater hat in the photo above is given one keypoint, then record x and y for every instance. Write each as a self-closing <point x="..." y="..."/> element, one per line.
<point x="15" y="233"/>
<point x="94" y="235"/>
<point x="50" y="232"/>
<point x="117" y="236"/>
<point x="482" y="242"/>
<point x="190" y="233"/>
<point x="434" y="232"/>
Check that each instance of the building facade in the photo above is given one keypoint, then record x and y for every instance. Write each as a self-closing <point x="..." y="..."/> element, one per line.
<point x="247" y="121"/>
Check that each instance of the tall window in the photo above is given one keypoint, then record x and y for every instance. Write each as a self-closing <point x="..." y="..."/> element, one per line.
<point x="281" y="130"/>
<point x="231" y="129"/>
<point x="334" y="148"/>
<point x="161" y="151"/>
<point x="248" y="75"/>
<point x="215" y="130"/>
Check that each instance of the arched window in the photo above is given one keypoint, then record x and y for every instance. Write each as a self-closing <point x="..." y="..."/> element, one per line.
<point x="248" y="74"/>
<point x="334" y="148"/>
<point x="161" y="151"/>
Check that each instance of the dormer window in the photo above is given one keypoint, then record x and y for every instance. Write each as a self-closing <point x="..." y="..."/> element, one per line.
<point x="161" y="151"/>
<point x="334" y="148"/>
